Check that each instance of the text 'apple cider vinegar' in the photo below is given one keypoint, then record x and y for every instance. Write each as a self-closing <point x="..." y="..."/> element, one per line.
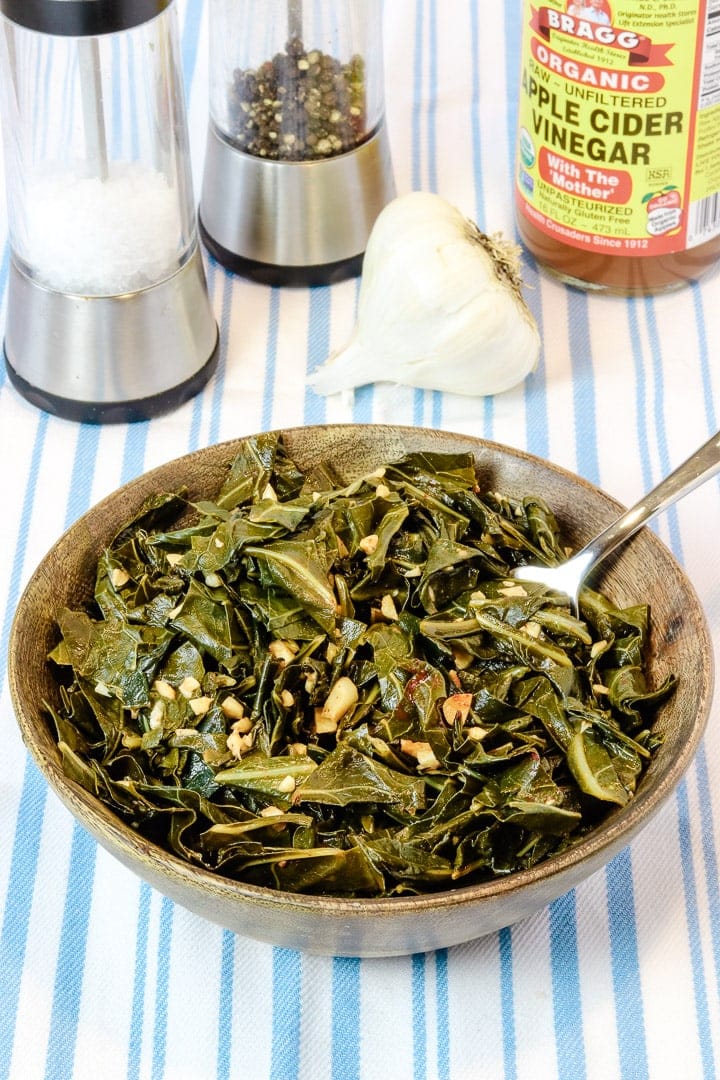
<point x="618" y="160"/>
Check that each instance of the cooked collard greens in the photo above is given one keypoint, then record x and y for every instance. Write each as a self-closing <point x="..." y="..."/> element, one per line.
<point x="335" y="688"/>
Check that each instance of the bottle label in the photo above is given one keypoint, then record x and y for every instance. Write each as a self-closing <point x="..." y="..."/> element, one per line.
<point x="618" y="124"/>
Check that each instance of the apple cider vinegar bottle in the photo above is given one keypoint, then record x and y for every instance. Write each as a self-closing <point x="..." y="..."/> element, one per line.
<point x="618" y="156"/>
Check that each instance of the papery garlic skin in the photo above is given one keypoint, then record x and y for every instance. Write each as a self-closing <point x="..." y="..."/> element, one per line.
<point x="440" y="307"/>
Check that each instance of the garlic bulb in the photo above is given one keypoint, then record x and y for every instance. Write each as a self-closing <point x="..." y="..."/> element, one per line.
<point x="440" y="307"/>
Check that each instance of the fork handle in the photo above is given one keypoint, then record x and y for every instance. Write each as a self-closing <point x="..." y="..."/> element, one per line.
<point x="698" y="468"/>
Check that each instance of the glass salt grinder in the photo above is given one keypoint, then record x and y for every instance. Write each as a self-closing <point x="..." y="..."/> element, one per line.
<point x="297" y="163"/>
<point x="108" y="316"/>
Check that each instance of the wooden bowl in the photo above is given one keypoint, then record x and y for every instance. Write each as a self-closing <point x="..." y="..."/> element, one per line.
<point x="644" y="571"/>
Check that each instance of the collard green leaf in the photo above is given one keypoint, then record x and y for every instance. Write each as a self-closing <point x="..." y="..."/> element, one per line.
<point x="346" y="777"/>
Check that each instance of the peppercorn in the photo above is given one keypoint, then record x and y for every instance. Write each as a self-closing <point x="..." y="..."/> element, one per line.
<point x="301" y="105"/>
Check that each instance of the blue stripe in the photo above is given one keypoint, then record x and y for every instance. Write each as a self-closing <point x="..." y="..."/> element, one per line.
<point x="318" y="347"/>
<point x="706" y="800"/>
<point x="271" y="360"/>
<point x="535" y="389"/>
<point x="217" y="385"/>
<point x="436" y="398"/>
<point x="137" y="1015"/>
<point x="567" y="1002"/>
<point x="196" y="417"/>
<point x="641" y="411"/>
<point x="190" y="40"/>
<point x="513" y="37"/>
<point x="417" y="161"/>
<point x="687" y="862"/>
<point x="585" y="409"/>
<point x="81" y="876"/>
<point x="133" y="462"/>
<point x="23" y="868"/>
<point x="442" y="993"/>
<point x="627" y="986"/>
<point x="83" y="472"/>
<point x="286" y="1017"/>
<point x="432" y="100"/>
<point x="346" y="1027"/>
<point x="659" y="425"/>
<point x="162" y="989"/>
<point x="225" y="1005"/>
<point x="31" y="809"/>
<point x="418" y="183"/>
<point x="419" y="1012"/>
<point x="507" y="1004"/>
<point x="416" y="166"/>
<point x="475" y="117"/>
<point x="71" y="958"/>
<point x="712" y="870"/>
<point x="487" y="405"/>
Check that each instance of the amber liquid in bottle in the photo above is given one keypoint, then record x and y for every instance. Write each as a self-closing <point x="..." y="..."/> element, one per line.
<point x="620" y="275"/>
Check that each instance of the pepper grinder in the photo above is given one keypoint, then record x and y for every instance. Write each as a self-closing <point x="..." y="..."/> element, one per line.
<point x="297" y="163"/>
<point x="108" y="316"/>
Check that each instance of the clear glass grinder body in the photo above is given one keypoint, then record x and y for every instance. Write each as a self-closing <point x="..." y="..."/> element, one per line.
<point x="297" y="165"/>
<point x="97" y="159"/>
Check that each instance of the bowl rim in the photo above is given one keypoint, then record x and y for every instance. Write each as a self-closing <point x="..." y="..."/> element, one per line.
<point x="615" y="830"/>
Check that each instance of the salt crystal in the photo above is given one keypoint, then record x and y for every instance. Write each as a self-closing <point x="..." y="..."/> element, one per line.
<point x="96" y="237"/>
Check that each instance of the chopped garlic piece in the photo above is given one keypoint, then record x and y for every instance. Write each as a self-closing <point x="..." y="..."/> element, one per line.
<point x="271" y="811"/>
<point x="286" y="699"/>
<point x="157" y="715"/>
<point x="477" y="734"/>
<point x="174" y="557"/>
<point x="387" y="608"/>
<point x="200" y="705"/>
<point x="232" y="708"/>
<point x="532" y="629"/>
<point x="118" y="577"/>
<point x="164" y="689"/>
<point x="189" y="686"/>
<point x="324" y="725"/>
<point x="287" y="784"/>
<point x="462" y="658"/>
<point x="369" y="543"/>
<point x="342" y="698"/>
<point x="422" y="752"/>
<point x="238" y="742"/>
<point x="283" y="651"/>
<point x="512" y="590"/>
